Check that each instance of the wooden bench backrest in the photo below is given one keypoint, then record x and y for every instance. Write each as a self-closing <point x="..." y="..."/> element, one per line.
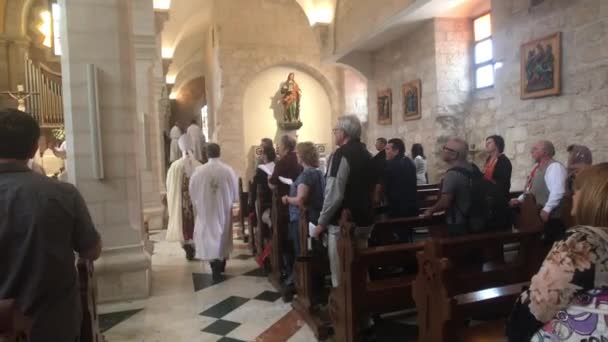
<point x="528" y="218"/>
<point x="448" y="289"/>
<point x="280" y="219"/>
<point x="357" y="294"/>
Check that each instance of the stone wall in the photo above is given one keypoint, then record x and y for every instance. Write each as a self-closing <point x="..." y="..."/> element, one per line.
<point x="442" y="58"/>
<point x="436" y="52"/>
<point x="579" y="114"/>
<point x="253" y="36"/>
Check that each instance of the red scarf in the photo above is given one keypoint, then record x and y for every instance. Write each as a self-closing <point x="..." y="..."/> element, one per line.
<point x="531" y="177"/>
<point x="488" y="170"/>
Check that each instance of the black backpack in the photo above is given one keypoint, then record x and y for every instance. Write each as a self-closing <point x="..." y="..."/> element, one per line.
<point x="489" y="208"/>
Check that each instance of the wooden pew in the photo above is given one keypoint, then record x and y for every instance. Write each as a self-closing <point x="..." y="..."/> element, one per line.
<point x="15" y="327"/>
<point x="262" y="234"/>
<point x="428" y="186"/>
<point x="251" y="223"/>
<point x="427" y="195"/>
<point x="358" y="296"/>
<point x="243" y="212"/>
<point x="307" y="267"/>
<point x="280" y="219"/>
<point x="89" y="331"/>
<point x="450" y="288"/>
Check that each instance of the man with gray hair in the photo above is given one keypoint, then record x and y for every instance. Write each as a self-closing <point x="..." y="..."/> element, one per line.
<point x="547" y="182"/>
<point x="456" y="194"/>
<point x="349" y="183"/>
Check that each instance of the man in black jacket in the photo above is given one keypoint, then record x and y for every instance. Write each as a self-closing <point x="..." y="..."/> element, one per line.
<point x="349" y="185"/>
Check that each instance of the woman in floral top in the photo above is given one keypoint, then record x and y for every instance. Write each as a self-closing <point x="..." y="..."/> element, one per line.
<point x="568" y="297"/>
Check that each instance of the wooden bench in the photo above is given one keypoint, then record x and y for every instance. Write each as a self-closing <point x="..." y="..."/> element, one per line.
<point x="427" y="195"/>
<point x="243" y="211"/>
<point x="359" y="296"/>
<point x="452" y="286"/>
<point x="280" y="219"/>
<point x="89" y="331"/>
<point x="262" y="233"/>
<point x="15" y="327"/>
<point x="309" y="266"/>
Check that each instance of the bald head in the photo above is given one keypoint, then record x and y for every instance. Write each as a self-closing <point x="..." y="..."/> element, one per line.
<point x="542" y="149"/>
<point x="455" y="149"/>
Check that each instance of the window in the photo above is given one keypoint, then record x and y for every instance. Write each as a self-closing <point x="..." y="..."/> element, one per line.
<point x="49" y="28"/>
<point x="56" y="14"/>
<point x="483" y="52"/>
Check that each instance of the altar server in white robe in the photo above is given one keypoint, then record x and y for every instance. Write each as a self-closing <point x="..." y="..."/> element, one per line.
<point x="198" y="139"/>
<point x="213" y="188"/>
<point x="181" y="214"/>
<point x="174" y="152"/>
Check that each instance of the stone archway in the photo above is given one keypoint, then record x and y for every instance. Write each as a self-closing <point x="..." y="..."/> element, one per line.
<point x="229" y="126"/>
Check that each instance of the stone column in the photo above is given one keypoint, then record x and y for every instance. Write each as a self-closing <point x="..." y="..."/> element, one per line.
<point x="100" y="33"/>
<point x="17" y="49"/>
<point x="148" y="146"/>
<point x="5" y="101"/>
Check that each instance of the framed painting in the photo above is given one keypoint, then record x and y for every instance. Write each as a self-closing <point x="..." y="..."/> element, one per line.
<point x="541" y="67"/>
<point x="385" y="106"/>
<point x="411" y="100"/>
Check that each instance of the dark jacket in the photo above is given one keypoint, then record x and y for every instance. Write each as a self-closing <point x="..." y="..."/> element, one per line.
<point x="349" y="185"/>
<point x="400" y="187"/>
<point x="502" y="174"/>
<point x="286" y="167"/>
<point x="260" y="178"/>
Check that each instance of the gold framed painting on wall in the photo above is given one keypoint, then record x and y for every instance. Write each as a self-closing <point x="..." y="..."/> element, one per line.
<point x="385" y="107"/>
<point x="411" y="92"/>
<point x="541" y="69"/>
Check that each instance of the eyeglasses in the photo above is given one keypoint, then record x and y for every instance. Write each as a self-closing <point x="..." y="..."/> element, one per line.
<point x="445" y="148"/>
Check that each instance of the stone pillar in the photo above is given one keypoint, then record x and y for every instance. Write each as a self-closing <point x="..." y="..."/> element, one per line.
<point x="100" y="33"/>
<point x="148" y="145"/>
<point x="17" y="49"/>
<point x="5" y="101"/>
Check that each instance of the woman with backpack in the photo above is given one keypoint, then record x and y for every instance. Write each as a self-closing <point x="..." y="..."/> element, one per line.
<point x="498" y="167"/>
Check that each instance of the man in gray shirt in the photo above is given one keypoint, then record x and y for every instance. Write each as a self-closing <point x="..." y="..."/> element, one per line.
<point x="42" y="223"/>
<point x="456" y="186"/>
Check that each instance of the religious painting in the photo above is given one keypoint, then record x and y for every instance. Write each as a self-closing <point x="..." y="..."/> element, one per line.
<point x="385" y="105"/>
<point x="541" y="67"/>
<point x="411" y="100"/>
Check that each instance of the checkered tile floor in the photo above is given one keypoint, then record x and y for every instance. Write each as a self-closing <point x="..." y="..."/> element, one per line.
<point x="188" y="305"/>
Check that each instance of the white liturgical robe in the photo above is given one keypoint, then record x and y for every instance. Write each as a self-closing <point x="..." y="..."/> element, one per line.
<point x="174" y="152"/>
<point x="183" y="167"/>
<point x="213" y="189"/>
<point x="198" y="139"/>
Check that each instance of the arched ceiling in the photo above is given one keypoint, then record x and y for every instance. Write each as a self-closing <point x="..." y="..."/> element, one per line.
<point x="185" y="31"/>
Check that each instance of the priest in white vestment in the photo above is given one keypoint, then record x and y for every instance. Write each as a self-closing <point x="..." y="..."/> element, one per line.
<point x="198" y="139"/>
<point x="181" y="214"/>
<point x="174" y="151"/>
<point x="213" y="188"/>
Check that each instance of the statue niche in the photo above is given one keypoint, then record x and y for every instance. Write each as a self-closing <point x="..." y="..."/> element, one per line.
<point x="291" y="95"/>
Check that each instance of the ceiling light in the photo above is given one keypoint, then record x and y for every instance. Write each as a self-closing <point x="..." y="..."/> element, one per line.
<point x="170" y="79"/>
<point x="162" y="4"/>
<point x="167" y="52"/>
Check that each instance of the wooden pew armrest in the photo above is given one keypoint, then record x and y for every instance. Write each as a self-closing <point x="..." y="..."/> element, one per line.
<point x="491" y="293"/>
